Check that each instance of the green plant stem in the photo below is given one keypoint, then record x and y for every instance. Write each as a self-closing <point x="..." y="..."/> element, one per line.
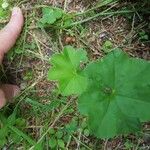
<point x="99" y="14"/>
<point x="88" y="148"/>
<point x="93" y="8"/>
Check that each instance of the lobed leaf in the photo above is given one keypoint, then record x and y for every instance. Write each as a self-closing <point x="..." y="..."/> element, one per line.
<point x="117" y="98"/>
<point x="50" y="15"/>
<point x="66" y="70"/>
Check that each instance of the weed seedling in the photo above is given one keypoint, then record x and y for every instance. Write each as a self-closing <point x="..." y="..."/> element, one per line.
<point x="107" y="46"/>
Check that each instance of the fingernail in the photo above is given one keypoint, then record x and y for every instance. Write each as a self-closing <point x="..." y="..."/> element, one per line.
<point x="15" y="10"/>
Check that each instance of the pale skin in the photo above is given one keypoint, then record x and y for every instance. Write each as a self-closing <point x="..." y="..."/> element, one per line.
<point x="8" y="37"/>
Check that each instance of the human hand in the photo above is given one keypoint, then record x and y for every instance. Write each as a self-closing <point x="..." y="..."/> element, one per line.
<point x="8" y="37"/>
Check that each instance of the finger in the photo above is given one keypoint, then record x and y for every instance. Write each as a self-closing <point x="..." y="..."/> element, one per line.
<point x="2" y="99"/>
<point x="10" y="33"/>
<point x="10" y="90"/>
<point x="7" y="92"/>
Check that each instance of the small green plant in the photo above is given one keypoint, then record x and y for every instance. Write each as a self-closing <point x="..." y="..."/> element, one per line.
<point x="4" y="6"/>
<point x="66" y="69"/>
<point x="143" y="36"/>
<point x="10" y="130"/>
<point x="28" y="75"/>
<point x="113" y="91"/>
<point x="129" y="145"/>
<point x="107" y="46"/>
<point x="51" y="15"/>
<point x="56" y="139"/>
<point x="55" y="17"/>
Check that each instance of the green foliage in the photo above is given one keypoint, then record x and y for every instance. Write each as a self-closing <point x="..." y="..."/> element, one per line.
<point x="61" y="143"/>
<point x="143" y="36"/>
<point x="52" y="143"/>
<point x="72" y="126"/>
<point x="50" y="15"/>
<point x="107" y="46"/>
<point x="55" y="16"/>
<point x="39" y="146"/>
<point x="66" y="70"/>
<point x="28" y="75"/>
<point x="129" y="145"/>
<point x="51" y="131"/>
<point x="41" y="107"/>
<point x="116" y="97"/>
<point x="86" y="132"/>
<point x="56" y="139"/>
<point x="8" y="130"/>
<point x="59" y="134"/>
<point x="3" y="9"/>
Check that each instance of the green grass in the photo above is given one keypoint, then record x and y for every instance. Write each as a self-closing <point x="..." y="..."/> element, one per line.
<point x="41" y="118"/>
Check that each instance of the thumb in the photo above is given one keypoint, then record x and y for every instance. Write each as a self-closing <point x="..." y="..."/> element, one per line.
<point x="10" y="33"/>
<point x="2" y="99"/>
<point x="7" y="92"/>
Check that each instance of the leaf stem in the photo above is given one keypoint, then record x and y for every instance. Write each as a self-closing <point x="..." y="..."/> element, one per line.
<point x="98" y="15"/>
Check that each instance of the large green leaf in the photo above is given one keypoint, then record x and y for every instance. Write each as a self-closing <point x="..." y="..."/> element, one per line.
<point x="117" y="98"/>
<point x="66" y="70"/>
